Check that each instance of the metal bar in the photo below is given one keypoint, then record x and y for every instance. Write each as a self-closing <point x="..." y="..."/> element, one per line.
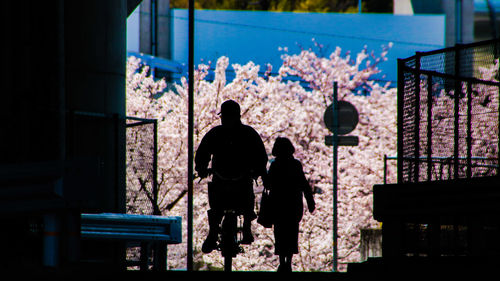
<point x="441" y="158"/>
<point x="335" y="168"/>
<point x="469" y="130"/>
<point x="190" y="137"/>
<point x="128" y="236"/>
<point x="156" y="208"/>
<point x="451" y="76"/>
<point x="400" y="101"/>
<point x="498" y="130"/>
<point x="153" y="27"/>
<point x="112" y="218"/>
<point x="145" y="120"/>
<point x="429" y="127"/>
<point x="385" y="168"/>
<point x="139" y="121"/>
<point x="164" y="229"/>
<point x="120" y="190"/>
<point x="417" y="118"/>
<point x="458" y="21"/>
<point x="453" y="48"/>
<point x="456" y="129"/>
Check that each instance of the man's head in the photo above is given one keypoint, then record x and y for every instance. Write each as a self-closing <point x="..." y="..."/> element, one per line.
<point x="230" y="113"/>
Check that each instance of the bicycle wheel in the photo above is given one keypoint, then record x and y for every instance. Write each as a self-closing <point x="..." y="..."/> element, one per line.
<point x="229" y="240"/>
<point x="228" y="263"/>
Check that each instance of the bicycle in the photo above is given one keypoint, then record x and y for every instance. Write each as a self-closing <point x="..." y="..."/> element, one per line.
<point x="231" y="232"/>
<point x="229" y="238"/>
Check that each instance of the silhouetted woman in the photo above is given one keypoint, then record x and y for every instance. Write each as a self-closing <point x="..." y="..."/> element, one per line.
<point x="287" y="184"/>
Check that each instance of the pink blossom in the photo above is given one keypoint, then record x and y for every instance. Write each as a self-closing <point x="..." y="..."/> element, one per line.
<point x="277" y="107"/>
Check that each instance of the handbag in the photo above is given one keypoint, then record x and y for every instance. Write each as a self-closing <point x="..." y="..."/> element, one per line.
<point x="265" y="211"/>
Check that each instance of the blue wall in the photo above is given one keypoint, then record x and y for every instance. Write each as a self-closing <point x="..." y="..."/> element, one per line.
<point x="256" y="35"/>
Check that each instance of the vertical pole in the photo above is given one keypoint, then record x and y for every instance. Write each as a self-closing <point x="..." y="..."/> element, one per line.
<point x="498" y="130"/>
<point x="417" y="118"/>
<point x="156" y="208"/>
<point x="160" y="247"/>
<point x="458" y="92"/>
<point x="153" y="27"/>
<point x="458" y="21"/>
<point x="335" y="187"/>
<point x="400" y="101"/>
<point x="385" y="168"/>
<point x="360" y="6"/>
<point x="190" y="138"/>
<point x="469" y="130"/>
<point x="429" y="128"/>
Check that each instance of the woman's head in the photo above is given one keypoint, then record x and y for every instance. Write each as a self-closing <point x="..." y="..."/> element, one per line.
<point x="283" y="147"/>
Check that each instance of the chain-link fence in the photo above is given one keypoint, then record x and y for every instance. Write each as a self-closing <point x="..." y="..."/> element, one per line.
<point x="448" y="113"/>
<point x="142" y="186"/>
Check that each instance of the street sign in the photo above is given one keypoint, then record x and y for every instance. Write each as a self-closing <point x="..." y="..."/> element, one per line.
<point x="348" y="117"/>
<point x="343" y="140"/>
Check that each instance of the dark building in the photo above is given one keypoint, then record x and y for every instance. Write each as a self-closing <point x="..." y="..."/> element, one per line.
<point x="63" y="131"/>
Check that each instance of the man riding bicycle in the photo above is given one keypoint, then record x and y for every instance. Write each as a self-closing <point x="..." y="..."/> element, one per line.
<point x="237" y="156"/>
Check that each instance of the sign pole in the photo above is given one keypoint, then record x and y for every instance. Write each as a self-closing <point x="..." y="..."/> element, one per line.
<point x="190" y="138"/>
<point x="340" y="118"/>
<point x="335" y="160"/>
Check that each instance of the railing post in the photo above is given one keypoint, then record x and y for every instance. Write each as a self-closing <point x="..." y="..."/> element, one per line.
<point x="429" y="128"/>
<point x="469" y="129"/>
<point x="400" y="111"/>
<point x="498" y="130"/>
<point x="156" y="208"/>
<point x="190" y="175"/>
<point x="417" y="117"/>
<point x="458" y="92"/>
<point x="385" y="168"/>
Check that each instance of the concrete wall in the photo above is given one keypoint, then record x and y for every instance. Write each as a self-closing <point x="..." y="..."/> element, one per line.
<point x="157" y="19"/>
<point x="59" y="60"/>
<point x="459" y="16"/>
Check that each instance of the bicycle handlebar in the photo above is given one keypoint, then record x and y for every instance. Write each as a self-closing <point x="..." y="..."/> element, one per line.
<point x="212" y="172"/>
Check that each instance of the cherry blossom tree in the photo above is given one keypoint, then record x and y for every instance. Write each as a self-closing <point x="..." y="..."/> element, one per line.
<point x="277" y="106"/>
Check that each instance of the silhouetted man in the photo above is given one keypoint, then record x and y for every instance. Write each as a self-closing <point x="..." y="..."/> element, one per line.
<point x="237" y="156"/>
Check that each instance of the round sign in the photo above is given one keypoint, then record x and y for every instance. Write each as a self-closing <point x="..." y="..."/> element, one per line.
<point x="348" y="117"/>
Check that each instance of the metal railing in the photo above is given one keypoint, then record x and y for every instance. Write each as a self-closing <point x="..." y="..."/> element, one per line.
<point x="448" y="109"/>
<point x="443" y="166"/>
<point x="142" y="166"/>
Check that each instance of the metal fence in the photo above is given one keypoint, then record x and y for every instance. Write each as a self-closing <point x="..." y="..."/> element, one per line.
<point x="448" y="113"/>
<point x="142" y="186"/>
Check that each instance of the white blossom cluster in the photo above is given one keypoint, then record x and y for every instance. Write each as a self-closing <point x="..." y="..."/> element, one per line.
<point x="276" y="106"/>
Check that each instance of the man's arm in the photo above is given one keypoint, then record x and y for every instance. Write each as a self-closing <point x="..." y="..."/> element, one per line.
<point x="203" y="155"/>
<point x="260" y="156"/>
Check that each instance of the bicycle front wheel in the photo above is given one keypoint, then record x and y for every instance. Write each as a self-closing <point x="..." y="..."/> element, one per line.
<point x="228" y="263"/>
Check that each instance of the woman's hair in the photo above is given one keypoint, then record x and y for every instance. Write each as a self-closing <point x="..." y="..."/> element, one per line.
<point x="283" y="147"/>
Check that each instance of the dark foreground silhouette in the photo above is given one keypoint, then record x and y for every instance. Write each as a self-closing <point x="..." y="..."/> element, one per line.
<point x="238" y="156"/>
<point x="287" y="184"/>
